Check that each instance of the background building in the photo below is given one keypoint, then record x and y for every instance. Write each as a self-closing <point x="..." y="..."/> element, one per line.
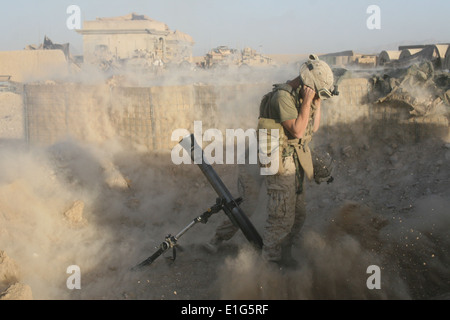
<point x="134" y="37"/>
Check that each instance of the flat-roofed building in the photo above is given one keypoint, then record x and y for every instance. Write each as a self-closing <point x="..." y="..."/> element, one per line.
<point x="134" y="36"/>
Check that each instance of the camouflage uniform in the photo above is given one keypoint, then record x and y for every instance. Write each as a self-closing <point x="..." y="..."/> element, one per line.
<point x="285" y="189"/>
<point x="286" y="202"/>
<point x="286" y="209"/>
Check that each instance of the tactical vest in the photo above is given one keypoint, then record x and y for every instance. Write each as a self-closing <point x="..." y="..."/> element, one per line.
<point x="289" y="147"/>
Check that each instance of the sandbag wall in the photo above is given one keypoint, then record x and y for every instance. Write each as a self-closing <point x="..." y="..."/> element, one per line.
<point x="145" y="117"/>
<point x="140" y="116"/>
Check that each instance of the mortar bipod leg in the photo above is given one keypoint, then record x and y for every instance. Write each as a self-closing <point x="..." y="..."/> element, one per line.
<point x="171" y="241"/>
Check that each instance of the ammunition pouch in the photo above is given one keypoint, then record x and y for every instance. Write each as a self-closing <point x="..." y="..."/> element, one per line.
<point x="304" y="156"/>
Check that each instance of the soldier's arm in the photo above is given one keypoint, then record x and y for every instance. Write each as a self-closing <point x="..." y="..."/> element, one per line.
<point x="297" y="127"/>
<point x="317" y="115"/>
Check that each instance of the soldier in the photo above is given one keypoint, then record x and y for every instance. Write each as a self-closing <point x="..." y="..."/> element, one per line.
<point x="294" y="109"/>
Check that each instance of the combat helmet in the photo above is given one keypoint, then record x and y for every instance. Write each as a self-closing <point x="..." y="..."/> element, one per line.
<point x="318" y="75"/>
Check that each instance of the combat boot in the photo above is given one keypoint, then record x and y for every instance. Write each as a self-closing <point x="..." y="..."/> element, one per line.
<point x="287" y="261"/>
<point x="212" y="246"/>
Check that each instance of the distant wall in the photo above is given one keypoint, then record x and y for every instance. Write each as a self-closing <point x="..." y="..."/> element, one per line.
<point x="145" y="117"/>
<point x="11" y="116"/>
<point x="141" y="116"/>
<point x="30" y="65"/>
<point x="351" y="104"/>
<point x="148" y="116"/>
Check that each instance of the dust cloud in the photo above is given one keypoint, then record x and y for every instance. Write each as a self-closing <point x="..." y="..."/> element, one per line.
<point x="387" y="207"/>
<point x="104" y="205"/>
<point x="334" y="261"/>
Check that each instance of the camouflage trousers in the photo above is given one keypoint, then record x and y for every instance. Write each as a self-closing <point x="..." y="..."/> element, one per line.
<point x="286" y="210"/>
<point x="249" y="185"/>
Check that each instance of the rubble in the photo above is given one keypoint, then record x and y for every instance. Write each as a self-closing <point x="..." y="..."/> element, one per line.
<point x="17" y="291"/>
<point x="74" y="215"/>
<point x="10" y="286"/>
<point x="9" y="270"/>
<point x="224" y="56"/>
<point x="425" y="91"/>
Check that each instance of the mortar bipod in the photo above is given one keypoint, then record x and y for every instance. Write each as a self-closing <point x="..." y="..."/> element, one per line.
<point x="171" y="241"/>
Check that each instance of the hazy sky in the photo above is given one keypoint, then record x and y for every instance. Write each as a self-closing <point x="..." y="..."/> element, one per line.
<point x="270" y="26"/>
